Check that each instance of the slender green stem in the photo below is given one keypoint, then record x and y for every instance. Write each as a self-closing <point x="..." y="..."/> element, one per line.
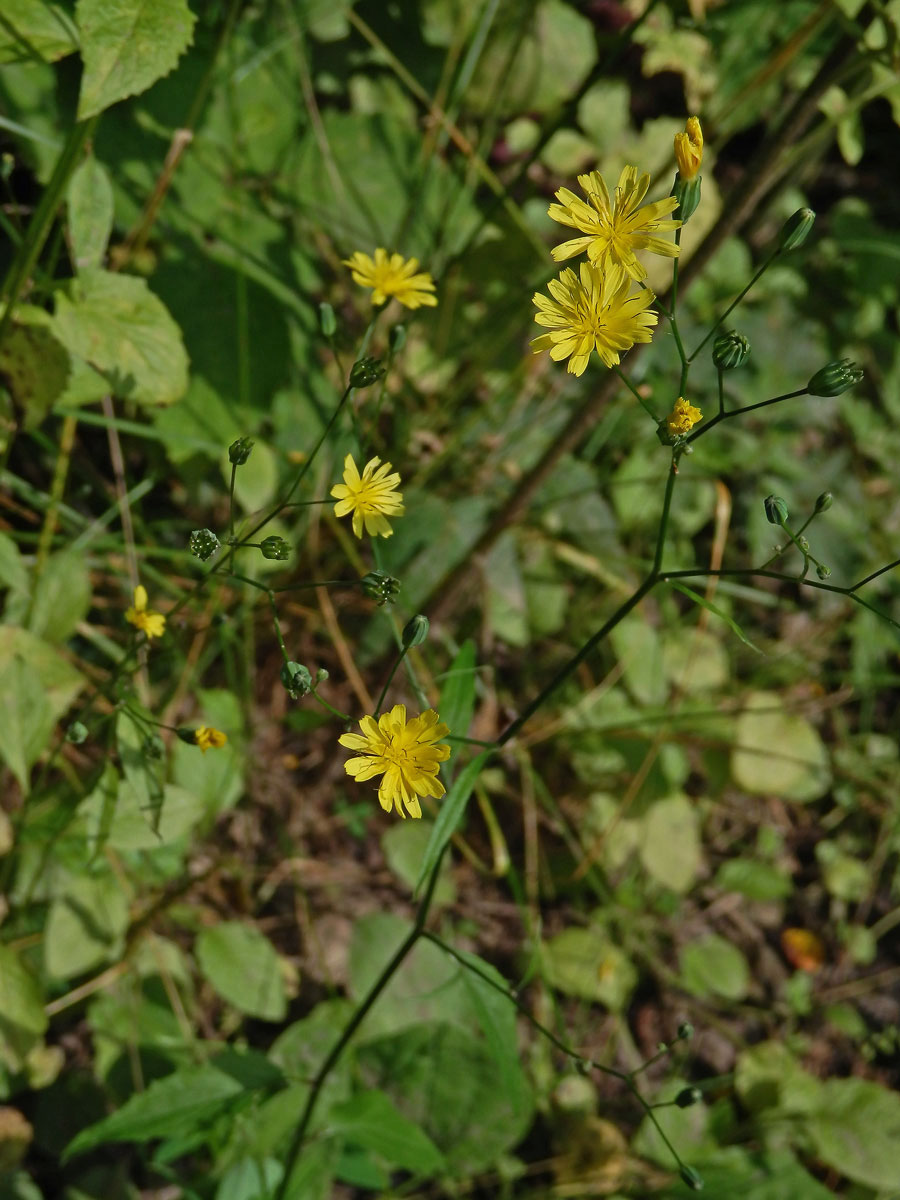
<point x="721" y="415"/>
<point x="664" y="517"/>
<point x="271" y="598"/>
<point x="397" y="661"/>
<point x="343" y="716"/>
<point x="881" y="571"/>
<point x="765" y="266"/>
<point x="643" y="403"/>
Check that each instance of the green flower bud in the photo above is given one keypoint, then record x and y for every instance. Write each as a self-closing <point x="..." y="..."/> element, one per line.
<point x="688" y="1096"/>
<point x="730" y="350"/>
<point x="76" y="733"/>
<point x="274" y="547"/>
<point x="687" y="192"/>
<point x="365" y="372"/>
<point x="835" y="378"/>
<point x="692" y="1178"/>
<point x="327" y="320"/>
<point x="776" y="510"/>
<point x="824" y="502"/>
<point x="296" y="679"/>
<point x="380" y="587"/>
<point x="203" y="544"/>
<point x="397" y="338"/>
<point x="321" y="675"/>
<point x="685" y="1031"/>
<point x="796" y="229"/>
<point x="822" y="571"/>
<point x="415" y="631"/>
<point x="239" y="451"/>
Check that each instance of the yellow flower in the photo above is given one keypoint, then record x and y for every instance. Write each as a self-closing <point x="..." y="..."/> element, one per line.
<point x="371" y="497"/>
<point x="689" y="149"/>
<point x="683" y="417"/>
<point x="392" y="276"/>
<point x="614" y="230"/>
<point x="144" y="618"/>
<point x="209" y="739"/>
<point x="404" y="753"/>
<point x="594" y="312"/>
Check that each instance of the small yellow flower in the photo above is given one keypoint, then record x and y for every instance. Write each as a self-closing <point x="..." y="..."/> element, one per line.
<point x="392" y="276"/>
<point x="689" y="149"/>
<point x="209" y="739"/>
<point x="683" y="417"/>
<point x="614" y="230"/>
<point x="592" y="312"/>
<point x="152" y="623"/>
<point x="404" y="753"/>
<point x="371" y="497"/>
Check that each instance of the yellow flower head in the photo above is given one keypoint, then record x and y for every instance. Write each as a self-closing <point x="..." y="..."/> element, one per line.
<point x="614" y="230"/>
<point x="392" y="276"/>
<point x="592" y="311"/>
<point x="209" y="739"/>
<point x="683" y="417"/>
<point x="404" y="753"/>
<point x="152" y="623"/>
<point x="689" y="149"/>
<point x="371" y="497"/>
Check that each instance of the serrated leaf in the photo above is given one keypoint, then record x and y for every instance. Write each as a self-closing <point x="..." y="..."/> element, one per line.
<point x="242" y="966"/>
<point x="127" y="45"/>
<point x="115" y="323"/>
<point x="32" y="29"/>
<point x="370" y="1120"/>
<point x="90" y="204"/>
<point x="27" y="718"/>
<point x="451" y="814"/>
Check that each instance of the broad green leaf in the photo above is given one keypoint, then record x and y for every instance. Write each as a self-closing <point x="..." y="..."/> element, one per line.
<point x="61" y="596"/>
<point x="712" y="966"/>
<point x="256" y="481"/>
<point x="370" y="1120"/>
<point x="60" y="681"/>
<point x="769" y="1079"/>
<point x="115" y="323"/>
<point x="778" y="752"/>
<point x="143" y="771"/>
<point x="90" y="202"/>
<point x="12" y="569"/>
<point x="715" y="610"/>
<point x="242" y="966"/>
<point x="452" y="808"/>
<point x="753" y="879"/>
<point x="404" y="845"/>
<point x="733" y="1172"/>
<point x="496" y="1015"/>
<point x="28" y="717"/>
<point x="670" y="846"/>
<point x="127" y="45"/>
<point x="21" y="1004"/>
<point x="249" y="1179"/>
<point x="507" y="608"/>
<point x="114" y="817"/>
<point x="458" y="691"/>
<point x="169" y="1107"/>
<point x="856" y="1130"/>
<point x="695" y="661"/>
<point x="35" y="367"/>
<point x="639" y="652"/>
<point x="586" y="963"/>
<point x="35" y="28"/>
<point x="86" y="925"/>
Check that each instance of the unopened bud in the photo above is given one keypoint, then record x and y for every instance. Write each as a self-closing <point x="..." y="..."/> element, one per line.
<point x="274" y="547"/>
<point x="397" y="338"/>
<point x="203" y="544"/>
<point x="321" y="675"/>
<point x="796" y="229"/>
<point x="415" y="631"/>
<point x="822" y="571"/>
<point x="692" y="1178"/>
<point x="685" y="1031"/>
<point x="776" y="510"/>
<point x="327" y="320"/>
<point x="730" y="350"/>
<point x="296" y="679"/>
<point x="687" y="193"/>
<point x="824" y="502"/>
<point x="835" y="378"/>
<point x="239" y="451"/>
<point x="76" y="733"/>
<point x="365" y="372"/>
<point x="688" y="1097"/>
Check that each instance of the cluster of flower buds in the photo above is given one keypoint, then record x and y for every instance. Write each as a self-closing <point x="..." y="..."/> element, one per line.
<point x="203" y="544"/>
<point x="381" y="588"/>
<point x="296" y="679"/>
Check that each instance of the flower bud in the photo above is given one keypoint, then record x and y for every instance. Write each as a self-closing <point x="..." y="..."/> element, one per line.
<point x="689" y="150"/>
<point x="685" y="1031"/>
<point x="274" y="547"/>
<point x="822" y="571"/>
<point x="296" y="679"/>
<point x="688" y="1096"/>
<point x="687" y="193"/>
<point x="327" y="320"/>
<point x="835" y="378"/>
<point x="776" y="510"/>
<point x="365" y="372"/>
<point x="203" y="544"/>
<point x="796" y="229"/>
<point x="321" y="675"/>
<point x="380" y="587"/>
<point x="397" y="338"/>
<point x="415" y="631"/>
<point x="76" y="733"/>
<point x="692" y="1178"/>
<point x="239" y="451"/>
<point x="730" y="350"/>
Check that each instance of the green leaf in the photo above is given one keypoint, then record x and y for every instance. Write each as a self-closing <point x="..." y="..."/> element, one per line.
<point x="769" y="1079"/>
<point x="61" y="596"/>
<point x="256" y="481"/>
<point x="639" y="652"/>
<point x="28" y="717"/>
<point x="242" y="966"/>
<point x="60" y="681"/>
<point x="857" y="1131"/>
<point x="778" y="752"/>
<point x="12" y="569"/>
<point x="496" y="1015"/>
<point x="21" y="1004"/>
<point x="404" y="845"/>
<point x="451" y="814"/>
<point x="713" y="966"/>
<point x="86" y="925"/>
<point x="670" y="847"/>
<point x="715" y="610"/>
<point x="35" y="28"/>
<point x="587" y="964"/>
<point x="90" y="202"/>
<point x="458" y="691"/>
<point x="35" y="367"/>
<point x="125" y="332"/>
<point x="127" y="45"/>
<point x="169" y="1107"/>
<point x="370" y="1120"/>
<point x="755" y="880"/>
